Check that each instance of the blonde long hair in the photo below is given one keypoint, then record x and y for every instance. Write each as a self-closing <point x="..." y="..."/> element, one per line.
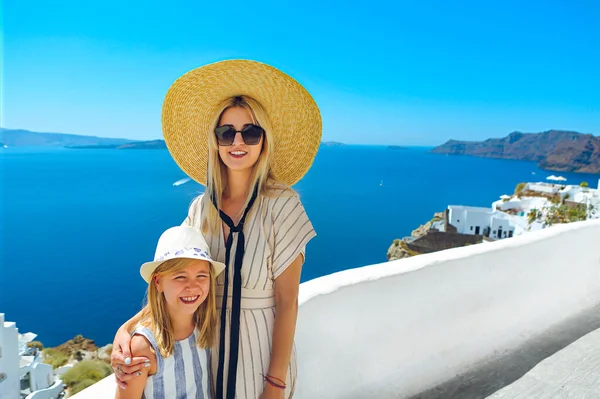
<point x="262" y="175"/>
<point x="156" y="317"/>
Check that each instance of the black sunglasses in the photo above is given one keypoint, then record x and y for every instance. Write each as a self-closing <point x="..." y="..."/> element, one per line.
<point x="251" y="134"/>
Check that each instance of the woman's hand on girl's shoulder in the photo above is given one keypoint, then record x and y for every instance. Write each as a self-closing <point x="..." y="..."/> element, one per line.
<point x="124" y="364"/>
<point x="141" y="349"/>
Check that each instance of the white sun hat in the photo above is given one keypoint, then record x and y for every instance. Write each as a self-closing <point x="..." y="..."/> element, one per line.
<point x="180" y="242"/>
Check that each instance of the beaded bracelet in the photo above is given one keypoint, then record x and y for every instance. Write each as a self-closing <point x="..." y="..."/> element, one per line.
<point x="268" y="378"/>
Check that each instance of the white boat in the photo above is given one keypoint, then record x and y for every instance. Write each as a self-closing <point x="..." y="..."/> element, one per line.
<point x="181" y="181"/>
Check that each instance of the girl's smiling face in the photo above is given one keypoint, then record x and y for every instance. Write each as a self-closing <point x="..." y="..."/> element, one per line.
<point x="186" y="289"/>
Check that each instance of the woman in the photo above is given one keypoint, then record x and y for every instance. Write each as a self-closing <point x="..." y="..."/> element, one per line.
<point x="247" y="132"/>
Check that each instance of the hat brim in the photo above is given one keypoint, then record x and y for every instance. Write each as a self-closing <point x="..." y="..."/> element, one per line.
<point x="148" y="268"/>
<point x="191" y="105"/>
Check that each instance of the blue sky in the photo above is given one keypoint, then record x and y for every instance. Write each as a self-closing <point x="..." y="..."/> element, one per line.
<point x="395" y="72"/>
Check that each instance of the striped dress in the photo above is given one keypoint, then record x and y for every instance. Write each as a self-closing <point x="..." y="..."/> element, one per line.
<point x="182" y="375"/>
<point x="277" y="230"/>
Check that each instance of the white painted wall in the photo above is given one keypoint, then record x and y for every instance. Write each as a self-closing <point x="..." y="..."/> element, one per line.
<point x="456" y="217"/>
<point x="464" y="217"/>
<point x="51" y="392"/>
<point x="42" y="376"/>
<point x="542" y="188"/>
<point x="10" y="388"/>
<point x="569" y="191"/>
<point x="514" y="203"/>
<point x="477" y="218"/>
<point x="401" y="327"/>
<point x="398" y="328"/>
<point x="528" y="203"/>
<point x="499" y="223"/>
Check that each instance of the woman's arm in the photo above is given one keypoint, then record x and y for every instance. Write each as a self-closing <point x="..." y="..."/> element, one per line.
<point x="286" y="313"/>
<point x="135" y="388"/>
<point x="121" y="353"/>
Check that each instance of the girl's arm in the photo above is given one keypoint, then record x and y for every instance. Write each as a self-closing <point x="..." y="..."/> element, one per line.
<point x="286" y="312"/>
<point x="121" y="352"/>
<point x="135" y="388"/>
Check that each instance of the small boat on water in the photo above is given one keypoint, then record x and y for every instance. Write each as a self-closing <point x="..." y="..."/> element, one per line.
<point x="181" y="181"/>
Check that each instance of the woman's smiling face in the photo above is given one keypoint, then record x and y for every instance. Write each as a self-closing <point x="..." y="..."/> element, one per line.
<point x="239" y="156"/>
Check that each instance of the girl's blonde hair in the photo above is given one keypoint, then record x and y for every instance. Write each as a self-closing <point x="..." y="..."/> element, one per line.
<point x="156" y="317"/>
<point x="262" y="175"/>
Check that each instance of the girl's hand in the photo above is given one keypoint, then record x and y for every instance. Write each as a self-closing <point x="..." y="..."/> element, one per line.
<point x="270" y="392"/>
<point x="124" y="366"/>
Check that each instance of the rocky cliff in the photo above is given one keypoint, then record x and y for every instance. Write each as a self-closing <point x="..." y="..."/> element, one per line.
<point x="399" y="248"/>
<point x="553" y="150"/>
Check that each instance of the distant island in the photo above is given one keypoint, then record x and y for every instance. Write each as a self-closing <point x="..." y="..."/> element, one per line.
<point x="137" y="145"/>
<point x="557" y="150"/>
<point x="331" y="144"/>
<point x="26" y="138"/>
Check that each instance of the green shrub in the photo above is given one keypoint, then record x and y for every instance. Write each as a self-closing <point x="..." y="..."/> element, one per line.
<point x="59" y="361"/>
<point x="519" y="188"/>
<point x="92" y="370"/>
<point x="584" y="184"/>
<point x="35" y="344"/>
<point x="55" y="357"/>
<point x="533" y="215"/>
<point x="51" y="352"/>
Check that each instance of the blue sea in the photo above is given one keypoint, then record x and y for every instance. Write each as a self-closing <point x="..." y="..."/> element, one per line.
<point x="76" y="224"/>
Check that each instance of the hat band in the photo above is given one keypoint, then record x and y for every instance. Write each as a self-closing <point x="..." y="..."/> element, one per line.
<point x="185" y="253"/>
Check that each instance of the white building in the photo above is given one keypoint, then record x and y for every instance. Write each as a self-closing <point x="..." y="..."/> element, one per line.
<point x="571" y="193"/>
<point x="543" y="188"/>
<point x="22" y="374"/>
<point x="583" y="195"/>
<point x="521" y="207"/>
<point x="484" y="221"/>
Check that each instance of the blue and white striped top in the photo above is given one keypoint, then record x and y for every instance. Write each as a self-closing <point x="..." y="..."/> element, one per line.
<point x="182" y="375"/>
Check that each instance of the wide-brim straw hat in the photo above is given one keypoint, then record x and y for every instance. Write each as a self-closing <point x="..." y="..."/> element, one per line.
<point x="191" y="104"/>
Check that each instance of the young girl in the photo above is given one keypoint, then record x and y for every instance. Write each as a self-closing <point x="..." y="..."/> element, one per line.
<point x="177" y="325"/>
<point x="248" y="132"/>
